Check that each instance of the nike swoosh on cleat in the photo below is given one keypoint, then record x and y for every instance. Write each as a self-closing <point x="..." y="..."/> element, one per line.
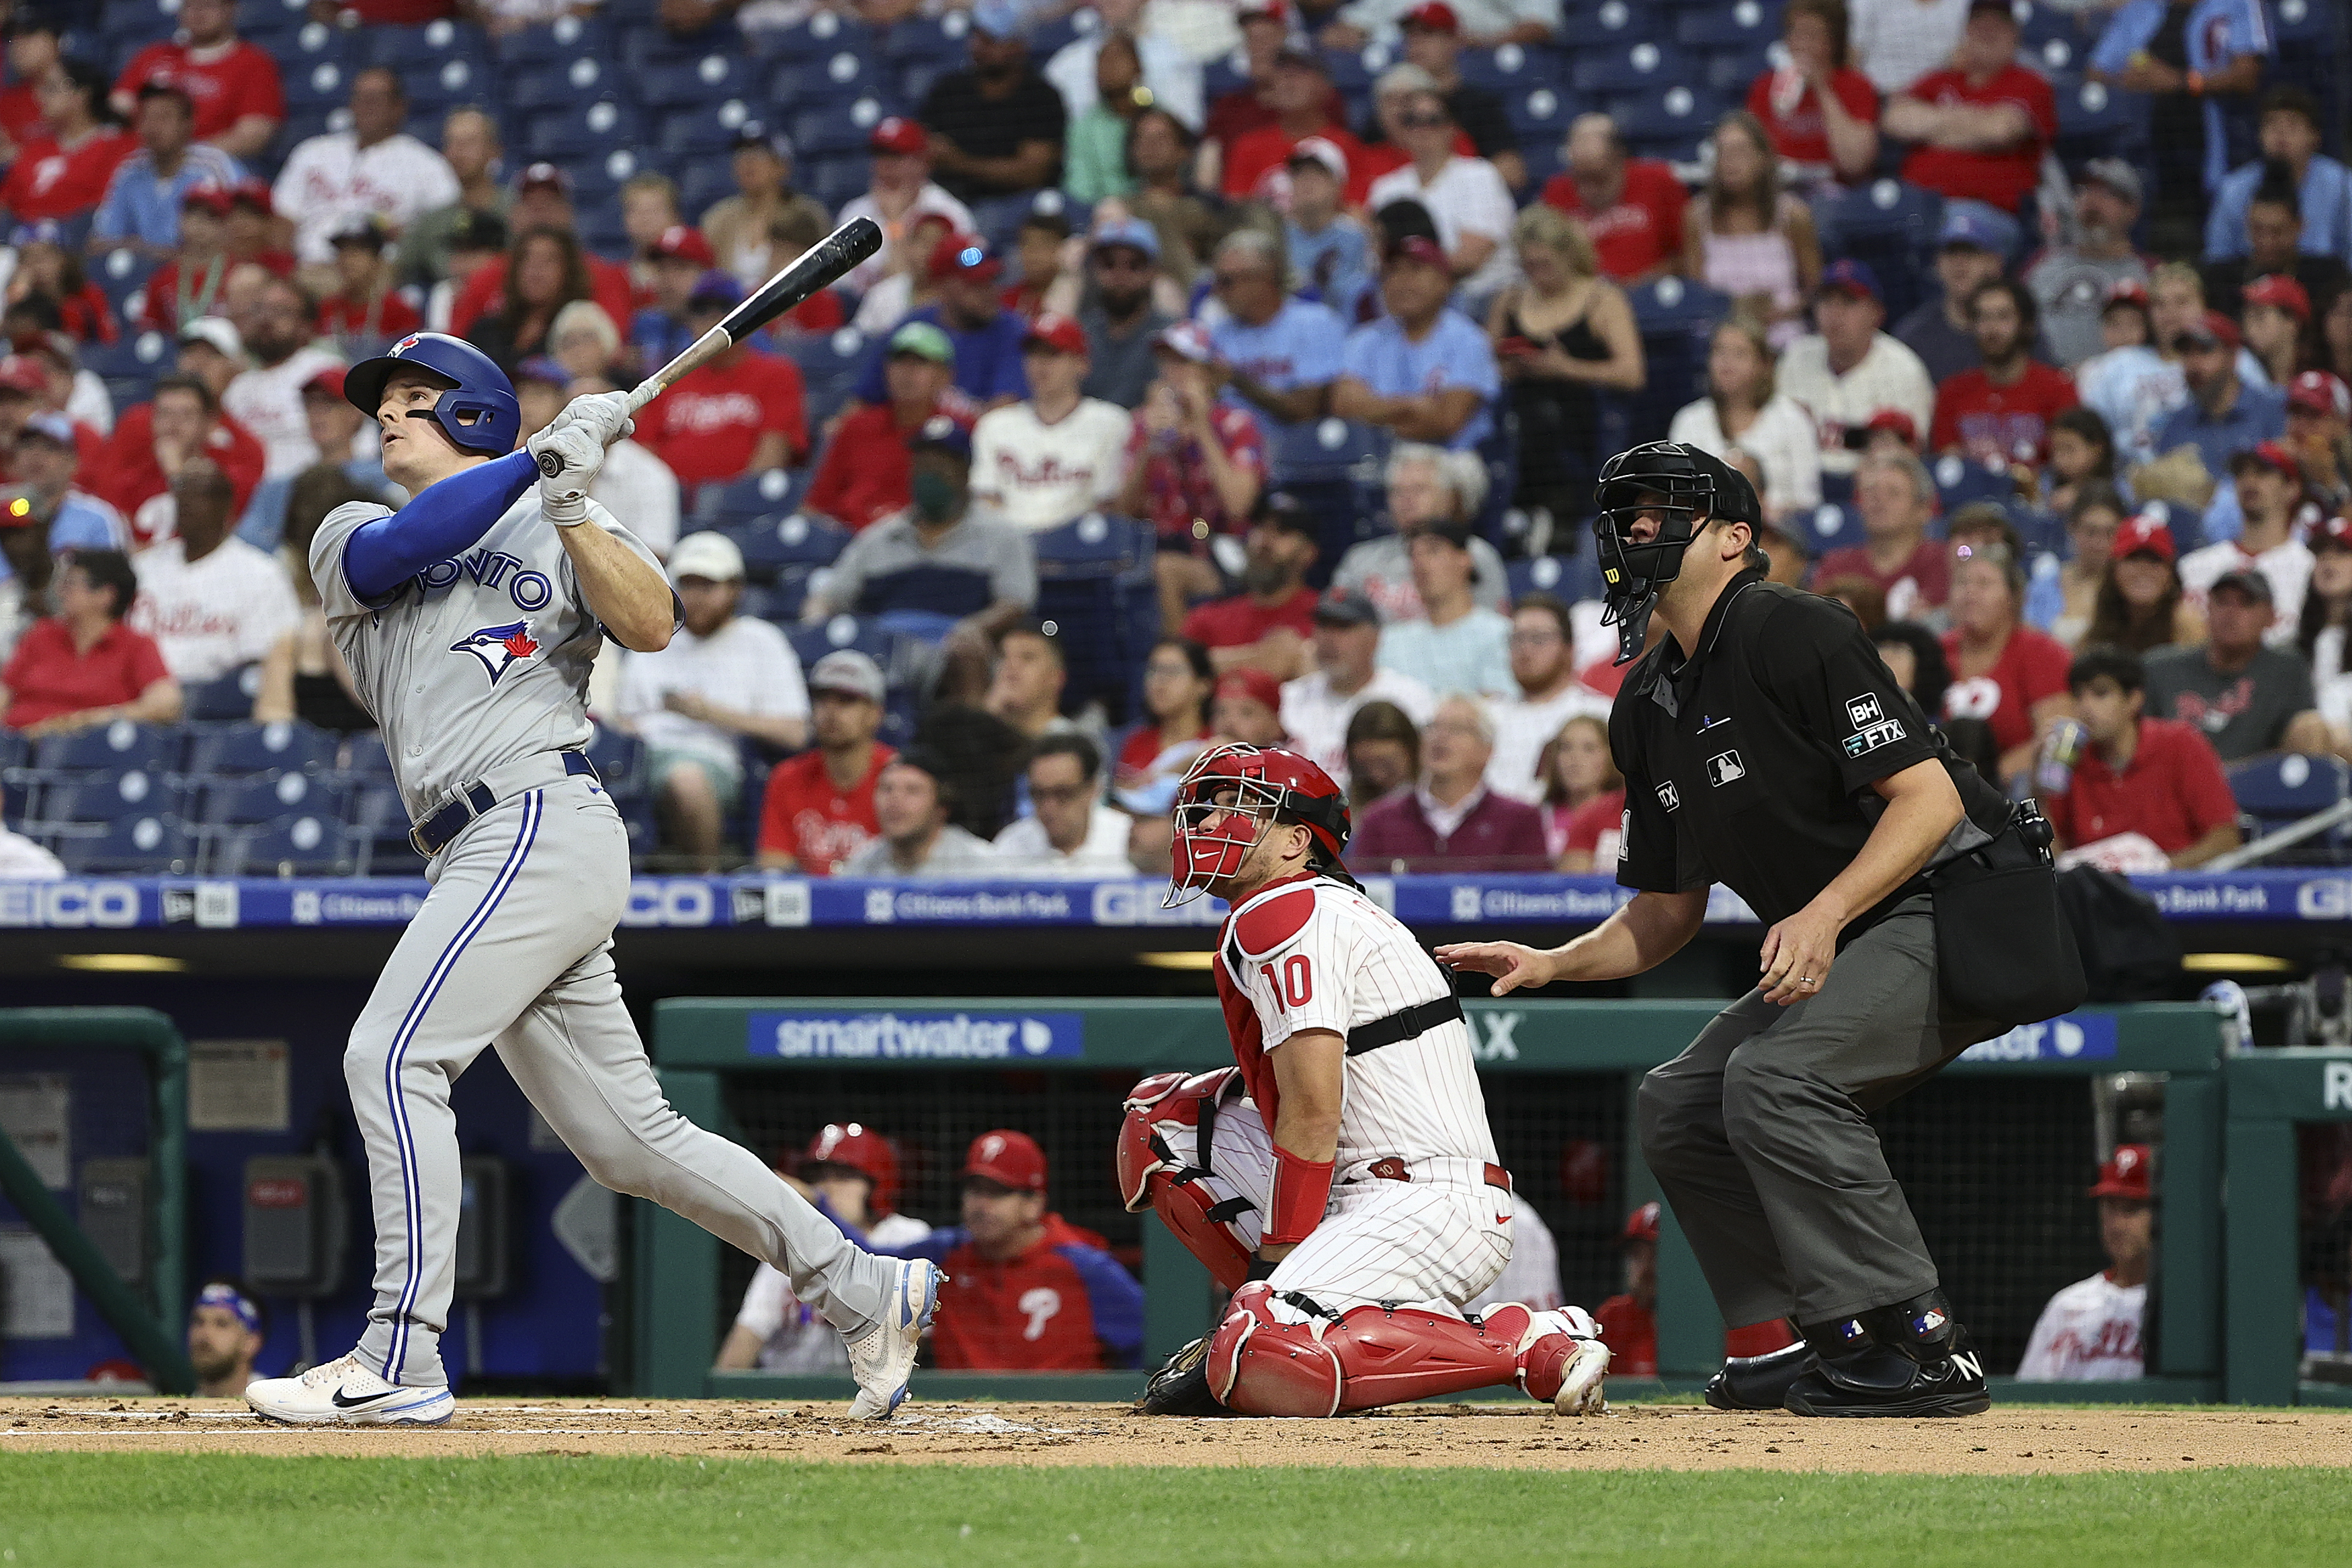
<point x="343" y="1404"/>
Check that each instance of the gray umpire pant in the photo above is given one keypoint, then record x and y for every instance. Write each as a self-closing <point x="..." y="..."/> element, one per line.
<point x="1758" y="1132"/>
<point x="513" y="949"/>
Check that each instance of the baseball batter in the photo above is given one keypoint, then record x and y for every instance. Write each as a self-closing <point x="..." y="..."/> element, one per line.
<point x="1345" y="1167"/>
<point x="469" y="619"/>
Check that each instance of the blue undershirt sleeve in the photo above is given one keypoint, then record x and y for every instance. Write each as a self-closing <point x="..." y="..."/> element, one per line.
<point x="444" y="517"/>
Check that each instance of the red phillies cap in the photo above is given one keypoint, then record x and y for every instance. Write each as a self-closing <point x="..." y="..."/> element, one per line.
<point x="1007" y="1158"/>
<point x="1252" y="683"/>
<point x="2322" y="392"/>
<point x="2270" y="454"/>
<point x="254" y="193"/>
<point x="965" y="254"/>
<point x="2128" y="291"/>
<point x="1641" y="1225"/>
<point x="898" y="134"/>
<point x="328" y="382"/>
<point x="1896" y="420"/>
<point x="1433" y="16"/>
<point x="680" y="241"/>
<point x="214" y="199"/>
<point x="2280" y="291"/>
<point x="1056" y="332"/>
<point x="2331" y="533"/>
<point x="1266" y="11"/>
<point x="2126" y="1174"/>
<point x="1420" y="248"/>
<point x="2215" y="327"/>
<point x="19" y="373"/>
<point x="2143" y="532"/>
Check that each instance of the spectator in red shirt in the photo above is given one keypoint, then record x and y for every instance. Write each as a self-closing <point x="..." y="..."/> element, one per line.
<point x="1632" y="208"/>
<point x="1195" y="467"/>
<point x="2157" y="778"/>
<point x="1896" y="498"/>
<point x="741" y="413"/>
<point x="1982" y="123"/>
<point x="254" y="230"/>
<point x="151" y="440"/>
<point x="46" y="269"/>
<point x="1027" y="1290"/>
<point x="64" y="175"/>
<point x="1300" y="97"/>
<point x="32" y="51"/>
<point x="819" y="808"/>
<point x="867" y="473"/>
<point x="233" y="85"/>
<point x="365" y="312"/>
<point x="82" y="667"/>
<point x="1820" y="114"/>
<point x="542" y="199"/>
<point x="1266" y="28"/>
<point x="545" y="271"/>
<point x="2004" y="672"/>
<point x="1451" y="820"/>
<point x="1998" y="414"/>
<point x="1267" y="624"/>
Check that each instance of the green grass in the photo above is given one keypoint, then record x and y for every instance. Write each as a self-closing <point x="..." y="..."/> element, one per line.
<point x="254" y="1511"/>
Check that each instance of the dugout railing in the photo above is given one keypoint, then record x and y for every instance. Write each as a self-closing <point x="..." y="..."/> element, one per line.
<point x="1997" y="1155"/>
<point x="70" y="1043"/>
<point x="2270" y="1095"/>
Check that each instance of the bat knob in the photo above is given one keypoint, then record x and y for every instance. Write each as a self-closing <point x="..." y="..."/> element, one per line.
<point x="549" y="465"/>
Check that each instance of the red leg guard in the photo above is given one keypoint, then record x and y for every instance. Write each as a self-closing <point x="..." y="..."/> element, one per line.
<point x="1547" y="1346"/>
<point x="1370" y="1356"/>
<point x="1184" y="1210"/>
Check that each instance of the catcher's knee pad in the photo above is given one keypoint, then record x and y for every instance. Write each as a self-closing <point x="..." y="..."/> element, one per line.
<point x="1151" y="1175"/>
<point x="1265" y="1361"/>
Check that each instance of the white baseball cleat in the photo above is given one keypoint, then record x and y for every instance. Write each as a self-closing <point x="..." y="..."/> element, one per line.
<point x="884" y="1357"/>
<point x="345" y="1393"/>
<point x="1581" y="1381"/>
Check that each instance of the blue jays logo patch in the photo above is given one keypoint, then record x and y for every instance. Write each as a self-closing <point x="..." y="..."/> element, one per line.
<point x="499" y="647"/>
<point x="402" y="346"/>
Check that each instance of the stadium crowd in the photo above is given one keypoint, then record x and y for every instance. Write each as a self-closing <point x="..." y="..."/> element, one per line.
<point x="1232" y="368"/>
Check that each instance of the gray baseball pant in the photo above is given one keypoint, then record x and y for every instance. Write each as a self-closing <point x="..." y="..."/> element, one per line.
<point x="513" y="948"/>
<point x="1758" y="1132"/>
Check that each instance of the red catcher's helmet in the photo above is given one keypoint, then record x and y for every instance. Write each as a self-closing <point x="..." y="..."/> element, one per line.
<point x="863" y="1150"/>
<point x="1263" y="784"/>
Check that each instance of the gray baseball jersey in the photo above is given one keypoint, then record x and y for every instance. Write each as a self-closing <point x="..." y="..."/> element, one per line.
<point x="480" y="666"/>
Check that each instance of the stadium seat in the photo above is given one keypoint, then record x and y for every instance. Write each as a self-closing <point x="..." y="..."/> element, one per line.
<point x="266" y="798"/>
<point x="316" y="74"/>
<point x="121" y="274"/>
<point x="100" y="798"/>
<point x="1094" y="546"/>
<point x="2095" y="120"/>
<point x="228" y="697"/>
<point x="240" y="750"/>
<point x="827" y="76"/>
<point x="1729" y="73"/>
<point x="1325" y="449"/>
<point x="776" y="547"/>
<point x="155" y="748"/>
<point x="1568" y="577"/>
<point x="130" y="366"/>
<point x="838" y="127"/>
<point x="364" y="756"/>
<point x="814" y="642"/>
<point x="830" y="364"/>
<point x="1668" y="123"/>
<point x="619" y="760"/>
<point x="838" y="180"/>
<point x="1607" y="26"/>
<point x="705" y="80"/>
<point x="1538" y="113"/>
<point x="569" y="84"/>
<point x="2187" y="523"/>
<point x="1509" y="68"/>
<point x="1620" y="70"/>
<point x="1891" y="226"/>
<point x="1959" y="482"/>
<point x="1743" y="25"/>
<point x="557" y="41"/>
<point x="157" y="844"/>
<point x="828" y="33"/>
<point x="303" y="845"/>
<point x="1832" y="526"/>
<point x="702" y="181"/>
<point x="705" y="131"/>
<point x="446" y="83"/>
<point x="740" y="501"/>
<point x="2278" y="791"/>
<point x="945" y="37"/>
<point x="1676" y="317"/>
<point x="139" y="22"/>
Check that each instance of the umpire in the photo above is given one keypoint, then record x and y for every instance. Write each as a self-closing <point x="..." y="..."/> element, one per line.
<point x="1766" y="745"/>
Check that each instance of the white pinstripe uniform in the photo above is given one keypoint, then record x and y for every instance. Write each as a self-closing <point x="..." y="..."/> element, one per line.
<point x="1313" y="954"/>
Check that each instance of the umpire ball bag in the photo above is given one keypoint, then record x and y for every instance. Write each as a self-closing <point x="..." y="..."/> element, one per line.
<point x="2004" y="949"/>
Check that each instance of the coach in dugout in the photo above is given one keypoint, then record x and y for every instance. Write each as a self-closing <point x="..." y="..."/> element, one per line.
<point x="1029" y="1291"/>
<point x="1765" y="745"/>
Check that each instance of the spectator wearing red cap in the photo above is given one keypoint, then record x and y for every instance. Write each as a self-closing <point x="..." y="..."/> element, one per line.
<point x="470" y="144"/>
<point x="2319" y="434"/>
<point x="1998" y="414"/>
<point x="1027" y="1290"/>
<point x="743" y="412"/>
<point x="1299" y="96"/>
<point x="82" y="667"/>
<point x="1450" y="821"/>
<point x="542" y="199"/>
<point x="2272" y="502"/>
<point x="64" y="173"/>
<point x="1195" y="467"/>
<point x="996" y="130"/>
<point x="1265" y="31"/>
<point x="1847" y="370"/>
<point x="1245" y="709"/>
<point x="865" y="473"/>
<point x="2091" y="1331"/>
<point x="232" y="85"/>
<point x="1980" y="124"/>
<point x="900" y="190"/>
<point x="2144" y="793"/>
<point x="140" y="211"/>
<point x="1631" y="207"/>
<point x="1266" y="624"/>
<point x="344" y="437"/>
<point x="2275" y="314"/>
<point x="989" y="339"/>
<point x="2140" y="605"/>
<point x="1055" y="454"/>
<point x="851" y="1173"/>
<point x="374" y="167"/>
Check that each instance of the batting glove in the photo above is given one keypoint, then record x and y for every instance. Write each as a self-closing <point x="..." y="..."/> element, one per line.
<point x="568" y="457"/>
<point x="604" y="413"/>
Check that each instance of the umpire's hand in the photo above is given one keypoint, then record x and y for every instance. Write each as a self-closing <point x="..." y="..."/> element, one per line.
<point x="1797" y="953"/>
<point x="1513" y="966"/>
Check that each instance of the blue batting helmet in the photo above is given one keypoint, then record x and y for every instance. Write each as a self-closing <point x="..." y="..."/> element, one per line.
<point x="477" y="411"/>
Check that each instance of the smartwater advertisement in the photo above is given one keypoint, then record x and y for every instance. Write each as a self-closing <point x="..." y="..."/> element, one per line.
<point x="916" y="1034"/>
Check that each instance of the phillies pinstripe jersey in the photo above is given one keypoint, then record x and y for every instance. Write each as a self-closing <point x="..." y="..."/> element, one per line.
<point x="1309" y="953"/>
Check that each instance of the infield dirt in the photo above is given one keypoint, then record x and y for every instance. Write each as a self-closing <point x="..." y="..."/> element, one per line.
<point x="2026" y="1440"/>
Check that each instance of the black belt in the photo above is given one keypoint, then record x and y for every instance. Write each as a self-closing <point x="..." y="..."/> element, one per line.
<point x="1404" y="1025"/>
<point x="436" y="832"/>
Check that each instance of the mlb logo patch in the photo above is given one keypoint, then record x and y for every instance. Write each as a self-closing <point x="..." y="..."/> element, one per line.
<point x="1864" y="709"/>
<point x="1725" y="766"/>
<point x="1668" y="795"/>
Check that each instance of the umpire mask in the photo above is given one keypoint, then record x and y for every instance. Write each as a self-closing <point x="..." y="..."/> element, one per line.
<point x="1683" y="489"/>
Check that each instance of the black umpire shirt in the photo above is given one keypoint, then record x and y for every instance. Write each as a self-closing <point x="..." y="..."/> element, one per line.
<point x="1751" y="763"/>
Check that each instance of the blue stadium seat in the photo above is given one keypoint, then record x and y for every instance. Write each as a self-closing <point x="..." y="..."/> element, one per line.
<point x="2187" y="523"/>
<point x="155" y="748"/>
<point x="228" y="697"/>
<point x="2278" y="791"/>
<point x="1538" y="113"/>
<point x="1607" y="25"/>
<point x="1676" y="317"/>
<point x="828" y="75"/>
<point x="121" y="274"/>
<point x="1509" y="68"/>
<point x="1743" y="25"/>
<point x="1048" y="38"/>
<point x="705" y="131"/>
<point x="775" y="545"/>
<point x="945" y="38"/>
<point x="242" y="750"/>
<point x="1227" y="73"/>
<point x="446" y="83"/>
<point x="267" y="798"/>
<point x="1620" y="70"/>
<point x="1352" y="70"/>
<point x="364" y="756"/>
<point x="1959" y="482"/>
<point x="830" y="364"/>
<point x="1890" y="225"/>
<point x="1325" y="449"/>
<point x="619" y="760"/>
<point x="1668" y="123"/>
<point x="1729" y="73"/>
<point x="302" y="846"/>
<point x="562" y="85"/>
<point x="711" y="78"/>
<point x="102" y="797"/>
<point x="2095" y="120"/>
<point x="837" y="180"/>
<point x="703" y="181"/>
<point x="1833" y="526"/>
<point x="139" y="22"/>
<point x="597" y="178"/>
<point x="864" y="634"/>
<point x="1567" y="577"/>
<point x="271" y="24"/>
<point x="1094" y="546"/>
<point x="839" y="127"/>
<point x="14" y="749"/>
<point x="131" y="365"/>
<point x="754" y="496"/>
<point x="555" y="41"/>
<point x="157" y="844"/>
<point x="317" y="71"/>
<point x="583" y="130"/>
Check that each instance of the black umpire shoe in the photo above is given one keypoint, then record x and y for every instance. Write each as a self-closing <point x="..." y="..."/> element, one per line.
<point x="1181" y="1388"/>
<point x="1761" y="1382"/>
<point x="1909" y="1359"/>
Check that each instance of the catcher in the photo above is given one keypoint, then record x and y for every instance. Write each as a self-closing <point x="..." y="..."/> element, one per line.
<point x="1342" y="1180"/>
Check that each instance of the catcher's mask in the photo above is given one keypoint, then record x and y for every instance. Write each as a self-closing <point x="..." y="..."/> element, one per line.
<point x="1685" y="489"/>
<point x="1227" y="800"/>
